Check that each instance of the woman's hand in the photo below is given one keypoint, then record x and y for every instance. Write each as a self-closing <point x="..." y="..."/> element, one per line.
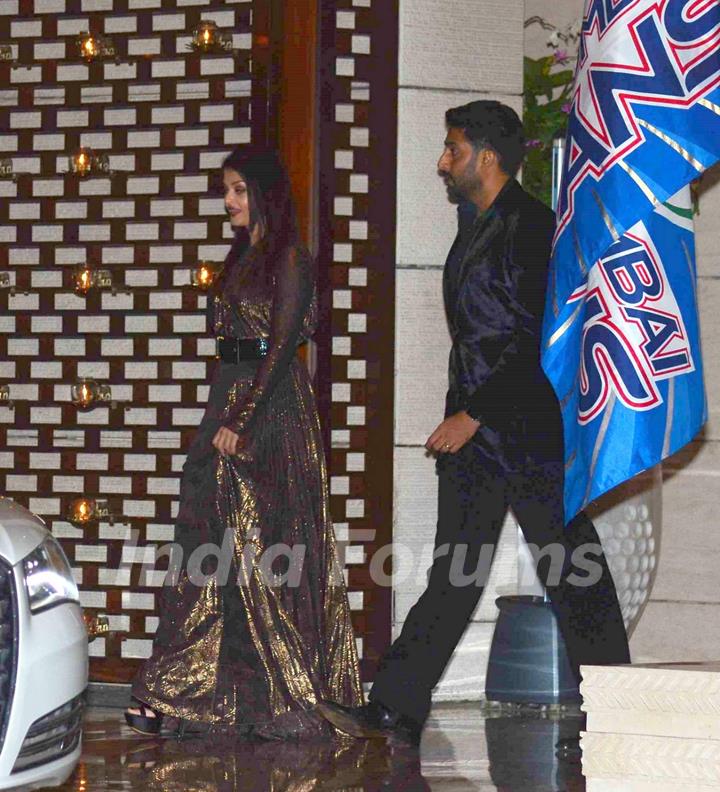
<point x="452" y="434"/>
<point x="226" y="441"/>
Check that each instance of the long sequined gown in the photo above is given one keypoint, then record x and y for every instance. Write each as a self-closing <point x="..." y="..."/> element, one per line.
<point x="260" y="648"/>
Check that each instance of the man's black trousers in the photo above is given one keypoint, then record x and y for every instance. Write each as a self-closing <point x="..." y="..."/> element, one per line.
<point x="474" y="495"/>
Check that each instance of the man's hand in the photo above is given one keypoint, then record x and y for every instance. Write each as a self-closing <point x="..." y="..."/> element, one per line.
<point x="226" y="441"/>
<point x="452" y="434"/>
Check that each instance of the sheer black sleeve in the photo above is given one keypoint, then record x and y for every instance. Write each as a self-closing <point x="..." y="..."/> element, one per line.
<point x="293" y="294"/>
<point x="210" y="313"/>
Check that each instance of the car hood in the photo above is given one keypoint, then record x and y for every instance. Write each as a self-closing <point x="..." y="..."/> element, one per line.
<point x="21" y="531"/>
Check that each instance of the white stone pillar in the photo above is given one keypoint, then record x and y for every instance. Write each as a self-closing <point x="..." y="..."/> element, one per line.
<point x="450" y="54"/>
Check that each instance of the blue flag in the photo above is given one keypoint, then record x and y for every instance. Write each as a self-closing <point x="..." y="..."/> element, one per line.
<point x="621" y="337"/>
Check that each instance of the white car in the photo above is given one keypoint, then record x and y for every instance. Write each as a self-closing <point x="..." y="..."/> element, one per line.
<point x="43" y="655"/>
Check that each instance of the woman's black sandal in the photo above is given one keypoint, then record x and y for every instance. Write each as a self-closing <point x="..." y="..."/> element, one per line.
<point x="144" y="723"/>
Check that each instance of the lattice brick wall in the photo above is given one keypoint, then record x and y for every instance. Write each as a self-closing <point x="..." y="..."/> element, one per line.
<point x="357" y="208"/>
<point x="166" y="117"/>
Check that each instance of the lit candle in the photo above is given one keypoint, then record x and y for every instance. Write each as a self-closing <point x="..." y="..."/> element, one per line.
<point x="203" y="276"/>
<point x="82" y="511"/>
<point x="205" y="36"/>
<point x="86" y="510"/>
<point x="82" y="162"/>
<point x="88" y="46"/>
<point x="83" y="280"/>
<point x="84" y="393"/>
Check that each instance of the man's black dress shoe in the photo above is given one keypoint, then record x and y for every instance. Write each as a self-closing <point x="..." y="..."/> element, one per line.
<point x="373" y="721"/>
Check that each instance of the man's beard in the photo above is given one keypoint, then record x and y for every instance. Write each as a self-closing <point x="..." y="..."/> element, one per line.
<point x="454" y="195"/>
<point x="458" y="192"/>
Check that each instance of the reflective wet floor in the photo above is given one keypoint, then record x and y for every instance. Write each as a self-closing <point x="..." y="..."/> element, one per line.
<point x="464" y="747"/>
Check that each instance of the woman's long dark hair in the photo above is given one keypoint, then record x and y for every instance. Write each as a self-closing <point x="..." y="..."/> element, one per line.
<point x="272" y="206"/>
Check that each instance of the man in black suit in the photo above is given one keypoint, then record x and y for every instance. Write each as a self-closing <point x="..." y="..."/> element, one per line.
<point x="501" y="442"/>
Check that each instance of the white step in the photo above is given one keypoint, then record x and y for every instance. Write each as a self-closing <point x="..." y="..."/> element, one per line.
<point x="679" y="764"/>
<point x="662" y="700"/>
<point x="643" y="785"/>
<point x="652" y="727"/>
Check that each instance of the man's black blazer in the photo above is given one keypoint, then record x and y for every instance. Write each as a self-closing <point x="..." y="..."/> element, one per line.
<point x="494" y="301"/>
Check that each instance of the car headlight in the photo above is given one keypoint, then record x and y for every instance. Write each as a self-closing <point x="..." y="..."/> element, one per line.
<point x="48" y="577"/>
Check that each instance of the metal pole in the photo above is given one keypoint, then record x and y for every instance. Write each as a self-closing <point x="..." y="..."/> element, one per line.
<point x="558" y="159"/>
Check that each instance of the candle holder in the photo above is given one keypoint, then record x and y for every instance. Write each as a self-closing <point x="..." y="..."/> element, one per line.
<point x="87" y="278"/>
<point x="85" y="162"/>
<point x="84" y="511"/>
<point x="204" y="275"/>
<point x="6" y="56"/>
<point x="5" y="397"/>
<point x="6" y="283"/>
<point x="86" y="393"/>
<point x="91" y="46"/>
<point x="207" y="37"/>
<point x="95" y="625"/>
<point x="6" y="169"/>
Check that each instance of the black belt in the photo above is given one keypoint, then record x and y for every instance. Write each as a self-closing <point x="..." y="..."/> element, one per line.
<point x="233" y="350"/>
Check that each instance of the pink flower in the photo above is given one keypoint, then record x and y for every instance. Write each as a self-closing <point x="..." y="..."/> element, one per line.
<point x="566" y="108"/>
<point x="533" y="143"/>
<point x="561" y="56"/>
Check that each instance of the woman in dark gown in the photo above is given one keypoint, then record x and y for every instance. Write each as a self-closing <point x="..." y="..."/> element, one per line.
<point x="247" y="653"/>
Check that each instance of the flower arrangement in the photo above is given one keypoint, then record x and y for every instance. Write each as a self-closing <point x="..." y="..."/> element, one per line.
<point x="547" y="98"/>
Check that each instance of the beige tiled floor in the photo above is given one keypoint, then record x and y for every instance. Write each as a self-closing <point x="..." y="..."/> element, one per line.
<point x="463" y="748"/>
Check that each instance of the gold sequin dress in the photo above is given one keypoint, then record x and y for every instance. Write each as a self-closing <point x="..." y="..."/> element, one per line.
<point x="254" y="617"/>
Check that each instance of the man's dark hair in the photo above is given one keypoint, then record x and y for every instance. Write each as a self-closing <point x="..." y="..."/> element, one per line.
<point x="490" y="124"/>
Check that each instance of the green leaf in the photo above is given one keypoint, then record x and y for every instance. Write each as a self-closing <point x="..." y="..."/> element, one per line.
<point x="562" y="78"/>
